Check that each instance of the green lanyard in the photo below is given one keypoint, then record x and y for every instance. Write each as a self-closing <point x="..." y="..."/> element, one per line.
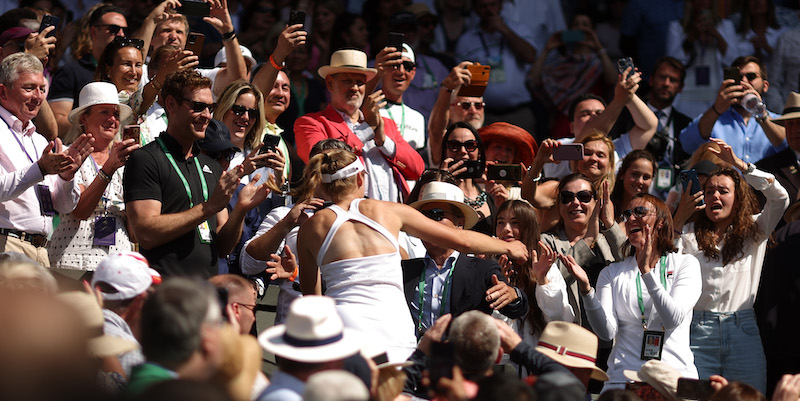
<point x="639" y="287"/>
<point x="421" y="290"/>
<point x="402" y="117"/>
<point x="180" y="174"/>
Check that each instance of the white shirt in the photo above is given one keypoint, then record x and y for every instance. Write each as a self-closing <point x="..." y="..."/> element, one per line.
<point x="19" y="174"/>
<point x="733" y="287"/>
<point x="613" y="310"/>
<point x="410" y="122"/>
<point x="155" y="122"/>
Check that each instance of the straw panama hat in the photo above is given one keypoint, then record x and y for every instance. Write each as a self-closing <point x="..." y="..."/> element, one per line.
<point x="442" y="192"/>
<point x="313" y="333"/>
<point x="571" y="345"/>
<point x="791" y="110"/>
<point x="348" y="60"/>
<point x="95" y="93"/>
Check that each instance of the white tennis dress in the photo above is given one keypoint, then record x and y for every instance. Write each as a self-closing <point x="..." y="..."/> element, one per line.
<point x="369" y="290"/>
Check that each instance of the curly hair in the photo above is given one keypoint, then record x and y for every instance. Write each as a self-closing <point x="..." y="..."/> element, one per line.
<point x="185" y="80"/>
<point x="529" y="235"/>
<point x="741" y="229"/>
<point x="327" y="162"/>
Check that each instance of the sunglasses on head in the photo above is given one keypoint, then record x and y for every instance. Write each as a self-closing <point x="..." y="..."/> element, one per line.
<point x="751" y="76"/>
<point x="583" y="196"/>
<point x="639" y="211"/>
<point x="467" y="105"/>
<point x="122" y="41"/>
<point x="455" y="146"/>
<point x="436" y="214"/>
<point x="435" y="171"/>
<point x="113" y="29"/>
<point x="198" y="107"/>
<point x="239" y="111"/>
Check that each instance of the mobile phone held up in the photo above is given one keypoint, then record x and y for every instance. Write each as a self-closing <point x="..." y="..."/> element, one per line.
<point x="692" y="389"/>
<point x="194" y="8"/>
<point x="473" y="168"/>
<point x="297" y="17"/>
<point x="194" y="43"/>
<point x="131" y="132"/>
<point x="49" y="20"/>
<point x="689" y="177"/>
<point x="572" y="36"/>
<point x="732" y="73"/>
<point x="478" y="82"/>
<point x="625" y="63"/>
<point x="270" y="143"/>
<point x="568" y="151"/>
<point x="396" y="40"/>
<point x="504" y="172"/>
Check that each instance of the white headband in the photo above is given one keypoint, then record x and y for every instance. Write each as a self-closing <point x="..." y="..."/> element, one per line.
<point x="346" y="171"/>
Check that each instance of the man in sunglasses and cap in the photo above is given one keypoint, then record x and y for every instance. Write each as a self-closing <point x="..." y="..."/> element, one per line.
<point x="445" y="281"/>
<point x="388" y="158"/>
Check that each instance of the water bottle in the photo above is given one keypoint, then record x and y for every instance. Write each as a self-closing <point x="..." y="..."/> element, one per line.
<point x="754" y="105"/>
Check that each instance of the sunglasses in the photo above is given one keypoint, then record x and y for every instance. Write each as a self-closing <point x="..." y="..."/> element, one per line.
<point x="467" y="105"/>
<point x="455" y="146"/>
<point x="122" y="41"/>
<point x="583" y="196"/>
<point x="437" y="214"/>
<point x="239" y="111"/>
<point x="198" y="107"/>
<point x="113" y="29"/>
<point x="639" y="211"/>
<point x="751" y="76"/>
<point x="408" y="65"/>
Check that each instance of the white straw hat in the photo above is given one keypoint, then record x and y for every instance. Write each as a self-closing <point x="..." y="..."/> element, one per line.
<point x="95" y="93"/>
<point x="442" y="192"/>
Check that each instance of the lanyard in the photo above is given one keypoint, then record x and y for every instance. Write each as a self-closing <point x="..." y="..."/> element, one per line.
<point x="428" y="70"/>
<point x="21" y="146"/>
<point x="300" y="94"/>
<point x="421" y="290"/>
<point x="105" y="197"/>
<point x="180" y="174"/>
<point x="486" y="47"/>
<point x="639" y="287"/>
<point x="402" y="117"/>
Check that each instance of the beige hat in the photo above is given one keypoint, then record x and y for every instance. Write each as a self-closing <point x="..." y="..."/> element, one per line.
<point x="95" y="93"/>
<point x="658" y="374"/>
<point x="571" y="345"/>
<point x="348" y="60"/>
<point x="442" y="192"/>
<point x="792" y="108"/>
<point x="101" y="345"/>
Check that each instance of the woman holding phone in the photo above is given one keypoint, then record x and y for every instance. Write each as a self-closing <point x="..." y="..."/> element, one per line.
<point x="730" y="240"/>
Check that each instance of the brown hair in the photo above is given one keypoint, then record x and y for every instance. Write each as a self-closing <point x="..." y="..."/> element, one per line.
<point x="618" y="194"/>
<point x="327" y="162"/>
<point x="529" y="235"/>
<point x="742" y="228"/>
<point x="178" y="82"/>
<point x="745" y="60"/>
<point x="703" y="153"/>
<point x="662" y="237"/>
<point x="738" y="391"/>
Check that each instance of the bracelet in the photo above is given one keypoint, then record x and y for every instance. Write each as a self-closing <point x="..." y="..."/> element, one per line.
<point x="274" y="64"/>
<point x="294" y="273"/>
<point x="157" y="86"/>
<point x="714" y="107"/>
<point x="679" y="232"/>
<point x="102" y="174"/>
<point x="541" y="175"/>
<point x="229" y="36"/>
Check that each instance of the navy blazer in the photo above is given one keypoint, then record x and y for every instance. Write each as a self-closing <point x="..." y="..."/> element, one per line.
<point x="471" y="278"/>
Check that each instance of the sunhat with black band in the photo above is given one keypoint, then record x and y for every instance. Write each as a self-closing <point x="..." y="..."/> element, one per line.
<point x="791" y="110"/>
<point x="572" y="346"/>
<point x="442" y="192"/>
<point x="313" y="333"/>
<point x="95" y="93"/>
<point x="348" y="60"/>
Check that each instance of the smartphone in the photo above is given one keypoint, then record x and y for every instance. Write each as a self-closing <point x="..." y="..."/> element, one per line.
<point x="193" y="8"/>
<point x="396" y="40"/>
<point x="572" y="36"/>
<point x="270" y="143"/>
<point x="689" y="177"/>
<point x="693" y="389"/>
<point x="568" y="151"/>
<point x="625" y="63"/>
<point x="473" y="168"/>
<point x="504" y="172"/>
<point x="49" y="20"/>
<point x="440" y="363"/>
<point x="297" y="17"/>
<point x="131" y="132"/>
<point x="477" y="85"/>
<point x="732" y="73"/>
<point x="194" y="43"/>
<point x="325" y="205"/>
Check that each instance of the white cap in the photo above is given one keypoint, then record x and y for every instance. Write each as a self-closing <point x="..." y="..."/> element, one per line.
<point x="407" y="52"/>
<point x="221" y="57"/>
<point x="128" y="273"/>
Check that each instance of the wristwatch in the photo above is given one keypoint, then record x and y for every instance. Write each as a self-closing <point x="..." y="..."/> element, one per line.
<point x="750" y="168"/>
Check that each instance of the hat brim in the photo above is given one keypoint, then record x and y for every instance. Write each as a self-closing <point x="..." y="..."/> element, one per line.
<point x="526" y="146"/>
<point x="124" y="112"/>
<point x="470" y="215"/>
<point x="597" y="373"/>
<point x="272" y="341"/>
<point x="787" y="116"/>
<point x="106" y="345"/>
<point x="326" y="70"/>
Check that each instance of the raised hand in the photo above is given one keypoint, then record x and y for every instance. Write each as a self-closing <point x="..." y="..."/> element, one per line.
<point x="76" y="153"/>
<point x="545" y="259"/>
<point x="500" y="294"/>
<point x="119" y="154"/>
<point x="251" y="195"/>
<point x="506" y="267"/>
<point x="225" y="188"/>
<point x="371" y="109"/>
<point x="388" y="59"/>
<point x="644" y="249"/>
<point x="458" y="76"/>
<point x="606" y="207"/>
<point x="282" y="267"/>
<point x="39" y="45"/>
<point x="53" y="160"/>
<point x="455" y="169"/>
<point x="725" y="153"/>
<point x="509" y="339"/>
<point x="290" y="38"/>
<point x="219" y="17"/>
<point x="518" y="252"/>
<point x="687" y="207"/>
<point x="577" y="271"/>
<point x="498" y="192"/>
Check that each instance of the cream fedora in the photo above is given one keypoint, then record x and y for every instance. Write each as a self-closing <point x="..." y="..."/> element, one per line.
<point x="442" y="192"/>
<point x="660" y="375"/>
<point x="95" y="93"/>
<point x="791" y="110"/>
<point x="348" y="60"/>
<point x="91" y="315"/>
<point x="572" y="346"/>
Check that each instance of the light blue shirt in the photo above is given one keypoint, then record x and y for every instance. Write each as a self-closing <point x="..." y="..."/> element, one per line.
<point x="436" y="291"/>
<point x="749" y="142"/>
<point x="283" y="387"/>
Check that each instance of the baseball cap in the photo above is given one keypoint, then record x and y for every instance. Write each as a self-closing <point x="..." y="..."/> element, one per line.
<point x="127" y="273"/>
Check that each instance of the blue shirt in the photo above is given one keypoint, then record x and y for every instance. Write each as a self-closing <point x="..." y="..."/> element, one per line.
<point x="749" y="142"/>
<point x="436" y="292"/>
<point x="283" y="387"/>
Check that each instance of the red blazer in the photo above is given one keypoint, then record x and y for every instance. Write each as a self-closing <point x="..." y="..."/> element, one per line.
<point x="314" y="127"/>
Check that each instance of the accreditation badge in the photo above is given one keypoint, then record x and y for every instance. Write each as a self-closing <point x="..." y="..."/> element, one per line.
<point x="664" y="178"/>
<point x="204" y="231"/>
<point x="105" y="230"/>
<point x="652" y="345"/>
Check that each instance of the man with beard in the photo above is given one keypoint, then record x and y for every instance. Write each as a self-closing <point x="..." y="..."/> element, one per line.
<point x="751" y="137"/>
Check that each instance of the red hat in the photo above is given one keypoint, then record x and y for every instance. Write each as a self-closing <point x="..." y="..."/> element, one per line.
<point x="524" y="142"/>
<point x="14" y="33"/>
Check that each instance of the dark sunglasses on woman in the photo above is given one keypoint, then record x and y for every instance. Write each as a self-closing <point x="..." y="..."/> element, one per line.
<point x="455" y="146"/>
<point x="113" y="29"/>
<point x="583" y="196"/>
<point x="239" y="111"/>
<point x="639" y="211"/>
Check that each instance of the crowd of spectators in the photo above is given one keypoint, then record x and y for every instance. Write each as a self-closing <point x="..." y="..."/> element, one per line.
<point x="455" y="199"/>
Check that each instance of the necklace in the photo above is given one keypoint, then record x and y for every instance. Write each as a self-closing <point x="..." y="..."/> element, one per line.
<point x="478" y="201"/>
